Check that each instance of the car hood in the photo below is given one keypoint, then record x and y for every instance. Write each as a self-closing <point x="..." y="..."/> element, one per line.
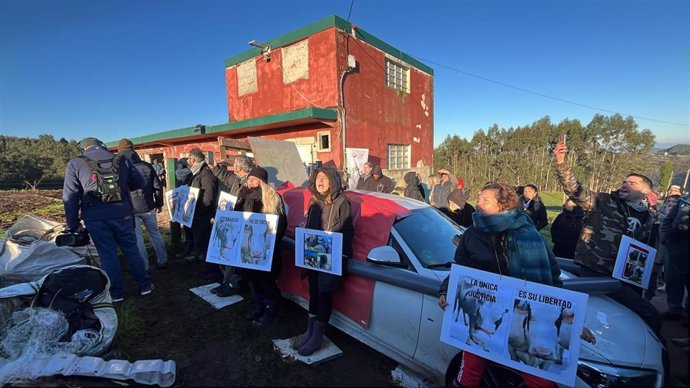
<point x="612" y="324"/>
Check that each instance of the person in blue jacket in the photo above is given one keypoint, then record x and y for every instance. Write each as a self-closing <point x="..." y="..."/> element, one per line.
<point x="108" y="218"/>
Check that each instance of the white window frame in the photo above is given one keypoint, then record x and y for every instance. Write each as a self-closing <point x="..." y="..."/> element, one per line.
<point x="319" y="135"/>
<point x="399" y="156"/>
<point x="397" y="76"/>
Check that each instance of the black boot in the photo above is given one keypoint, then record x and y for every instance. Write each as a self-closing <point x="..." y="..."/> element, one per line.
<point x="314" y="342"/>
<point x="226" y="291"/>
<point x="269" y="315"/>
<point x="299" y="342"/>
<point x="256" y="311"/>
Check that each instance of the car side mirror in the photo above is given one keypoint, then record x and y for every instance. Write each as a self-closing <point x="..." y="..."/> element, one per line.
<point x="385" y="255"/>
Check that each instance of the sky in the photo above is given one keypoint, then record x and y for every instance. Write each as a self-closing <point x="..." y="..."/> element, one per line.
<point x="127" y="68"/>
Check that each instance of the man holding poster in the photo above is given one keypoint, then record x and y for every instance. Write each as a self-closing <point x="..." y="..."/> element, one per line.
<point x="502" y="240"/>
<point x="608" y="217"/>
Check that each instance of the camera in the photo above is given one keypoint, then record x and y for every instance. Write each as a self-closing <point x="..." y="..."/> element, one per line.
<point x="72" y="239"/>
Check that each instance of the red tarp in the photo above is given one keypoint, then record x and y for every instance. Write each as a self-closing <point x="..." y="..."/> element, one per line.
<point x="372" y="219"/>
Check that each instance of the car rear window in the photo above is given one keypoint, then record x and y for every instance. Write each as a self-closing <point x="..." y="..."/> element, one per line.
<point x="429" y="234"/>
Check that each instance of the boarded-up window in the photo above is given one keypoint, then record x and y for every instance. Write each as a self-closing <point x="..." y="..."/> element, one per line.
<point x="397" y="76"/>
<point x="398" y="156"/>
<point x="296" y="62"/>
<point x="246" y="77"/>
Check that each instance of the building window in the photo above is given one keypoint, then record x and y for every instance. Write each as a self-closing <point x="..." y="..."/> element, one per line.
<point x="398" y="157"/>
<point x="324" y="141"/>
<point x="397" y="76"/>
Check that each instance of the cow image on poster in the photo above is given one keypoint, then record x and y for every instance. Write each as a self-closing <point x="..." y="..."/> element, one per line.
<point x="539" y="335"/>
<point x="479" y="311"/>
<point x="226" y="234"/>
<point x="254" y="243"/>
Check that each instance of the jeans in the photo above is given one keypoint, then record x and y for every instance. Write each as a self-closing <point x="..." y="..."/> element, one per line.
<point x="107" y="235"/>
<point x="148" y="219"/>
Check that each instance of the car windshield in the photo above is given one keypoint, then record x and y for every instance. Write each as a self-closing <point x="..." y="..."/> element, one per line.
<point x="429" y="234"/>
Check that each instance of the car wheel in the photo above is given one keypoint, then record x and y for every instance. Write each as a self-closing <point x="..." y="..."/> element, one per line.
<point x="495" y="375"/>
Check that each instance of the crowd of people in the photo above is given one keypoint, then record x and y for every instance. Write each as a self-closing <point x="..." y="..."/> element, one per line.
<point x="502" y="234"/>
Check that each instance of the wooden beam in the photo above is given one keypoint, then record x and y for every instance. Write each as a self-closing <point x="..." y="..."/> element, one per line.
<point x="225" y="142"/>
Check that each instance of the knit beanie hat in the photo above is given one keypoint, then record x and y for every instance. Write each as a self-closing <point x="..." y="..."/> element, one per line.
<point x="259" y="173"/>
<point x="124" y="145"/>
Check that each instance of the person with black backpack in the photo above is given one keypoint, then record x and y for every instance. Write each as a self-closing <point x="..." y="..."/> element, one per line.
<point x="97" y="187"/>
<point x="146" y="202"/>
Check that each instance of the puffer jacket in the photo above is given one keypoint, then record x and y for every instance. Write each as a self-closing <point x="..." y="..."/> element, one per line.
<point x="605" y="222"/>
<point x="333" y="217"/>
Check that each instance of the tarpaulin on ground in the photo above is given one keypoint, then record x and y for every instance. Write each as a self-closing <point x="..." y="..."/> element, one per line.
<point x="373" y="218"/>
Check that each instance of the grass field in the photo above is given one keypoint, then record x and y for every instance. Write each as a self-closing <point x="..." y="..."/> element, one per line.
<point x="554" y="204"/>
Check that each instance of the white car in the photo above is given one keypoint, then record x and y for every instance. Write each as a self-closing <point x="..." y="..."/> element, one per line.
<point x="405" y="320"/>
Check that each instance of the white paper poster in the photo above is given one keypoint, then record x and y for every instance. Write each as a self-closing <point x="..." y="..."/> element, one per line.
<point x="182" y="204"/>
<point x="524" y="325"/>
<point x="634" y="262"/>
<point x="226" y="201"/>
<point x="356" y="157"/>
<point x="319" y="250"/>
<point x="243" y="239"/>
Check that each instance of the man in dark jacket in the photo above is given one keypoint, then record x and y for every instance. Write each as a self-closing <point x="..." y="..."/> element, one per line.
<point x="609" y="217"/>
<point x="534" y="207"/>
<point x="566" y="229"/>
<point x="204" y="180"/>
<point x="458" y="209"/>
<point x="412" y="189"/>
<point x="366" y="175"/>
<point x="146" y="202"/>
<point x="378" y="182"/>
<point x="109" y="221"/>
<point x="675" y="234"/>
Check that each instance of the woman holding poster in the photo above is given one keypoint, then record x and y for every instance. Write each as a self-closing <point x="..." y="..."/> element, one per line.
<point x="257" y="196"/>
<point x="329" y="211"/>
<point x="502" y="240"/>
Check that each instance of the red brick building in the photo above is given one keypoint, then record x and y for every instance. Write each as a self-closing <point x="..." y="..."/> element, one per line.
<point x="326" y="86"/>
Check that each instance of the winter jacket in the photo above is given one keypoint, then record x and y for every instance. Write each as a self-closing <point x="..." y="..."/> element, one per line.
<point x="440" y="192"/>
<point x="208" y="193"/>
<point x="362" y="181"/>
<point x="383" y="185"/>
<point x="604" y="223"/>
<point x="536" y="212"/>
<point x="333" y="217"/>
<point x="489" y="252"/>
<point x="462" y="216"/>
<point x="151" y="196"/>
<point x="79" y="189"/>
<point x="565" y="231"/>
<point x="675" y="229"/>
<point x="412" y="189"/>
<point x="230" y="182"/>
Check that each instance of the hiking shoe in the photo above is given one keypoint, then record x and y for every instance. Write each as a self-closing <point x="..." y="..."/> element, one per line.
<point x="147" y="291"/>
<point x="270" y="314"/>
<point x="226" y="291"/>
<point x="117" y="300"/>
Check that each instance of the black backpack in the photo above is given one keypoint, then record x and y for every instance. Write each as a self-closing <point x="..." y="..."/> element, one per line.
<point x="107" y="178"/>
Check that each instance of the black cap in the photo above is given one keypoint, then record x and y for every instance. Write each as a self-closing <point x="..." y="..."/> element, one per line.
<point x="259" y="173"/>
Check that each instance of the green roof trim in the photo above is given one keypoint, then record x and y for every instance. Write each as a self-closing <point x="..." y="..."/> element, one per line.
<point x="307" y="113"/>
<point x="324" y="24"/>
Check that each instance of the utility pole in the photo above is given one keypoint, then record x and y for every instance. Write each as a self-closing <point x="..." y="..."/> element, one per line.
<point x="685" y="184"/>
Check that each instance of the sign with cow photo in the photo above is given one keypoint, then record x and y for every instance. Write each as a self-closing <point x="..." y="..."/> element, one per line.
<point x="243" y="239"/>
<point x="181" y="204"/>
<point x="524" y="325"/>
<point x="226" y="201"/>
<point x="634" y="262"/>
<point x="319" y="250"/>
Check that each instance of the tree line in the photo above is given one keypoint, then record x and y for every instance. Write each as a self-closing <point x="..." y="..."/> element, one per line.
<point x="601" y="153"/>
<point x="32" y="160"/>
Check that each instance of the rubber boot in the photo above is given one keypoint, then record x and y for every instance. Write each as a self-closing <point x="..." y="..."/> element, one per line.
<point x="314" y="342"/>
<point x="305" y="337"/>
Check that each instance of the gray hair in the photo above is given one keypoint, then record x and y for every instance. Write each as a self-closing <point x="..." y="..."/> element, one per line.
<point x="244" y="162"/>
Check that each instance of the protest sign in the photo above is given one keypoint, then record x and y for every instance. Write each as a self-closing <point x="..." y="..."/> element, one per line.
<point x="184" y="200"/>
<point x="243" y="239"/>
<point x="226" y="201"/>
<point x="634" y="262"/>
<point x="524" y="325"/>
<point x="319" y="250"/>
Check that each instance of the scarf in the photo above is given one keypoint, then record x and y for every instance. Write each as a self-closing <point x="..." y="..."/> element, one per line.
<point x="527" y="254"/>
<point x="638" y="206"/>
<point x="197" y="167"/>
<point x="182" y="173"/>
